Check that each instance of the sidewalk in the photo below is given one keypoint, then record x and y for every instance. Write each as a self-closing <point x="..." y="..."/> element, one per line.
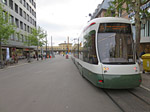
<point x="145" y="81"/>
<point x="21" y="62"/>
<point x="145" y="78"/>
<point x="26" y="61"/>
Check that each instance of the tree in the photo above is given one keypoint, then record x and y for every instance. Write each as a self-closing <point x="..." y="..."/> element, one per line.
<point x="134" y="7"/>
<point x="28" y="42"/>
<point x="37" y="37"/>
<point x="6" y="29"/>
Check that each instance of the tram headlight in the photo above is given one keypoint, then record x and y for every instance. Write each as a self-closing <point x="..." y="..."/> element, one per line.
<point x="105" y="69"/>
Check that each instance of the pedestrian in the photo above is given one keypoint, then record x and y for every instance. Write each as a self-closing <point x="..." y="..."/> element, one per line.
<point x="41" y="56"/>
<point x="142" y="53"/>
<point x="45" y="57"/>
<point x="34" y="56"/>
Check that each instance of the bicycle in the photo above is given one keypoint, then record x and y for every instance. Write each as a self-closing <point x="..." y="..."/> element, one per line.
<point x="2" y="65"/>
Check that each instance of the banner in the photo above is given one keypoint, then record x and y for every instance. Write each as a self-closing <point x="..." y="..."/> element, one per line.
<point x="7" y="54"/>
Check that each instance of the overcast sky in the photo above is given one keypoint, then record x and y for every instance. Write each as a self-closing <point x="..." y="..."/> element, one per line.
<point x="63" y="18"/>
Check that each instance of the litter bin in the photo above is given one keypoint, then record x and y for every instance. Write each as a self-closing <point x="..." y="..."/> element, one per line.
<point x="146" y="62"/>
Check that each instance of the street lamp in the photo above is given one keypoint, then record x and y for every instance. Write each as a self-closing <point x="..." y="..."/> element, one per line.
<point x="77" y="44"/>
<point x="65" y="47"/>
<point x="46" y="47"/>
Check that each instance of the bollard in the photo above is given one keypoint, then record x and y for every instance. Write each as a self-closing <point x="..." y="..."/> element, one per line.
<point x="66" y="56"/>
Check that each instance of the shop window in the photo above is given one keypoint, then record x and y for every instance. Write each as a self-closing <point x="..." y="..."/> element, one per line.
<point x="25" y="27"/>
<point x="17" y="22"/>
<point x="11" y="4"/>
<point x="24" y="3"/>
<point x="11" y="19"/>
<point x="35" y="14"/>
<point x="30" y="20"/>
<point x="5" y="15"/>
<point x="12" y="37"/>
<point x="32" y="2"/>
<point x="21" y="25"/>
<point x="30" y="9"/>
<point x="22" y="38"/>
<point x="28" y="29"/>
<point x="34" y="5"/>
<point x="24" y="15"/>
<point x="35" y="23"/>
<point x="27" y="17"/>
<point x="27" y="6"/>
<point x="26" y="38"/>
<point x="16" y="8"/>
<point x="17" y="37"/>
<point x="20" y="11"/>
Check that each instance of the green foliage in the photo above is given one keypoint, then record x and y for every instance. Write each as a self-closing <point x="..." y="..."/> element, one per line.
<point x="116" y="6"/>
<point x="37" y="37"/>
<point x="6" y="28"/>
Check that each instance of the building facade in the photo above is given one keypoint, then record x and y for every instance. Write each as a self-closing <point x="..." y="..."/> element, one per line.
<point x="145" y="29"/>
<point x="61" y="48"/>
<point x="101" y="9"/>
<point x="23" y="16"/>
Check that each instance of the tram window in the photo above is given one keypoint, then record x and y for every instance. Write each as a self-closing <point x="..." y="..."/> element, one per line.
<point x="115" y="48"/>
<point x="89" y="48"/>
<point x="115" y="27"/>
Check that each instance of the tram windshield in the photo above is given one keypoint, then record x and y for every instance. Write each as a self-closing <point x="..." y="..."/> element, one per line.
<point x="115" y="43"/>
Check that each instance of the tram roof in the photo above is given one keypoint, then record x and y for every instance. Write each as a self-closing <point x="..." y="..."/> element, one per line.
<point x="106" y="20"/>
<point x="109" y="19"/>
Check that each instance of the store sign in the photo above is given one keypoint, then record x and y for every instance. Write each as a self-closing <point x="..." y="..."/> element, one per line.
<point x="131" y="14"/>
<point x="143" y="7"/>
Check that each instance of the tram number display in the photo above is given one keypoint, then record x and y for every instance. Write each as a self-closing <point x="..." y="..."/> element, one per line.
<point x="114" y="28"/>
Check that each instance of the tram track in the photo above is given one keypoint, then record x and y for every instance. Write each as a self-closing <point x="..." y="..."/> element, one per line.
<point x="132" y="100"/>
<point x="113" y="101"/>
<point x="140" y="97"/>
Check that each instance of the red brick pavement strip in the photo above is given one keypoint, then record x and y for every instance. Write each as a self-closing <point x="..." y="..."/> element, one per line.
<point x="145" y="81"/>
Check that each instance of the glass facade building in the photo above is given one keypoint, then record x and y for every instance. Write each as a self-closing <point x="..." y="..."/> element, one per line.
<point x="23" y="16"/>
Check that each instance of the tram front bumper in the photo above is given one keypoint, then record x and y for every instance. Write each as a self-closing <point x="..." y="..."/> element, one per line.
<point x="121" y="81"/>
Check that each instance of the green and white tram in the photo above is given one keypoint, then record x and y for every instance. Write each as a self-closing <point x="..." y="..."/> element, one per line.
<point x="105" y="54"/>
